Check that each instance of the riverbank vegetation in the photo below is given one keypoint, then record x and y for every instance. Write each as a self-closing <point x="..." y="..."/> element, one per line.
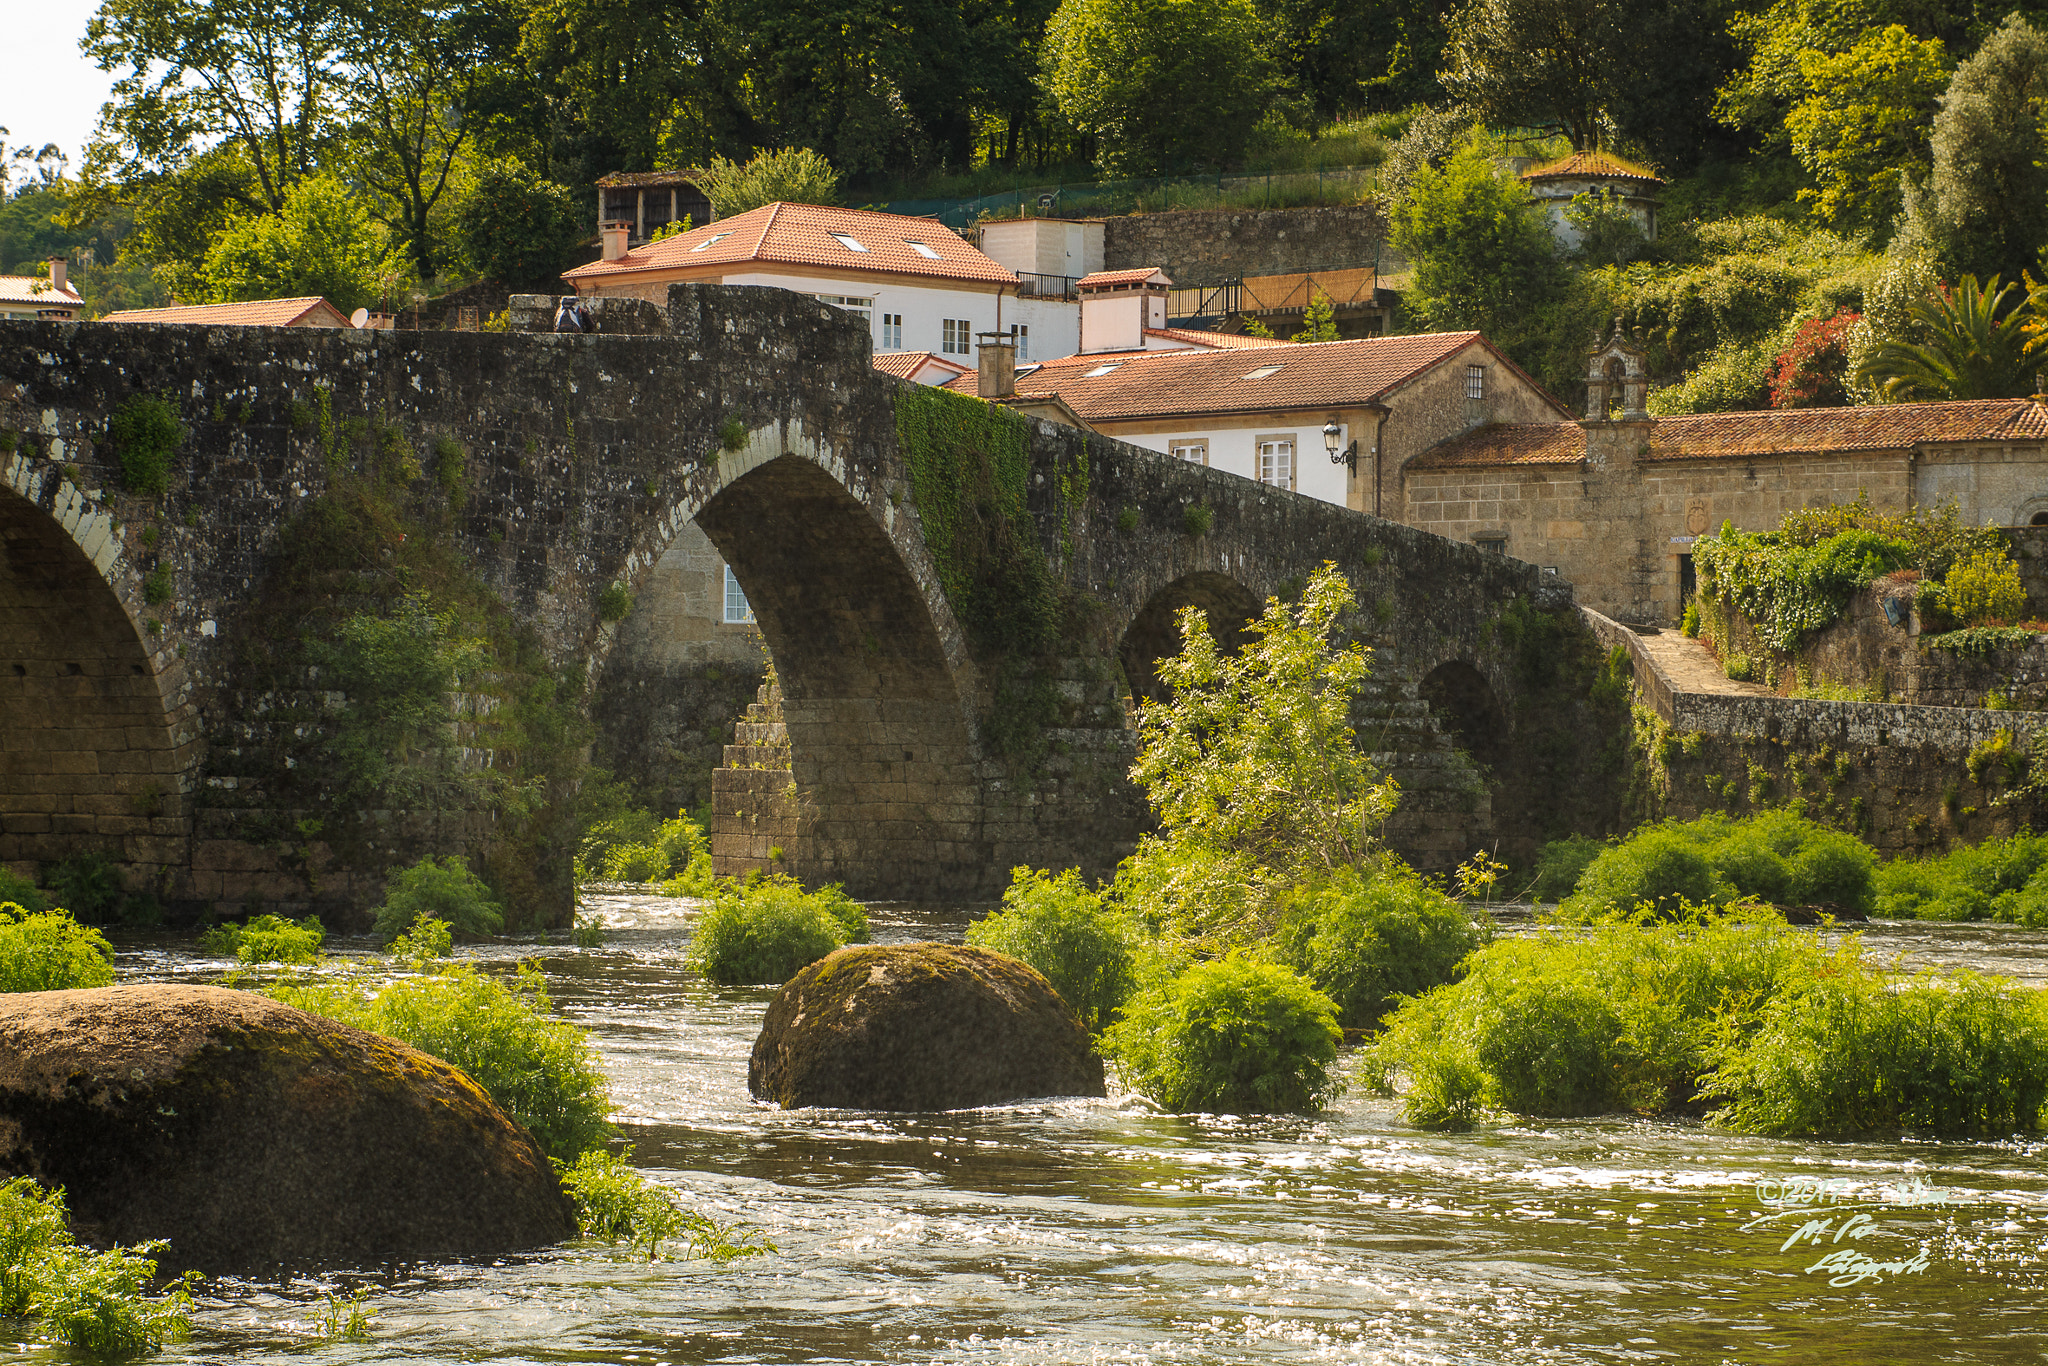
<point x="619" y="1205"/>
<point x="768" y="929"/>
<point x="266" y="939"/>
<point x="46" y="950"/>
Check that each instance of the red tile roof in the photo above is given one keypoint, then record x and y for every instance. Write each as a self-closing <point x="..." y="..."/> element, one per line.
<point x="255" y="313"/>
<point x="1109" y="279"/>
<point x="1593" y="164"/>
<point x="1215" y="341"/>
<point x="801" y="235"/>
<point x="906" y="364"/>
<point x="1176" y="383"/>
<point x="35" y="289"/>
<point x="1737" y="436"/>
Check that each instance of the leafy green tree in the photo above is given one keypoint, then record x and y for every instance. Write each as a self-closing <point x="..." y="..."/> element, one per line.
<point x="1985" y="209"/>
<point x="1483" y="258"/>
<point x="793" y="174"/>
<point x="1861" y="127"/>
<point x="514" y="226"/>
<point x="322" y="241"/>
<point x="1545" y="63"/>
<point x="1254" y="754"/>
<point x="1975" y="347"/>
<point x="1127" y="73"/>
<point x="1318" y="320"/>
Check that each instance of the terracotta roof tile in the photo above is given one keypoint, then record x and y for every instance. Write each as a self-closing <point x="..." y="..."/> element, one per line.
<point x="1176" y="383"/>
<point x="906" y="364"/>
<point x="1593" y="164"/>
<point x="1737" y="436"/>
<point x="1109" y="279"/>
<point x="1215" y="341"/>
<point x="34" y="289"/>
<point x="802" y="235"/>
<point x="255" y="313"/>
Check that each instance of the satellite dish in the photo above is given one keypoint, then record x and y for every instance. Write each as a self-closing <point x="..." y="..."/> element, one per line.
<point x="359" y="317"/>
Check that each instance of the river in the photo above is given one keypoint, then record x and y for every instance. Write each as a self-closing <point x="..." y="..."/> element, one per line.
<point x="1099" y="1231"/>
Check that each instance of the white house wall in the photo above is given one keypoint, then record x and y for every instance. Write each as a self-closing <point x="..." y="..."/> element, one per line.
<point x="1055" y="326"/>
<point x="925" y="308"/>
<point x="1236" y="450"/>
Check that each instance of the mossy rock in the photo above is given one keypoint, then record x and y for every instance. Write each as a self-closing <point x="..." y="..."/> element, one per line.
<point x="249" y="1133"/>
<point x="920" y="1027"/>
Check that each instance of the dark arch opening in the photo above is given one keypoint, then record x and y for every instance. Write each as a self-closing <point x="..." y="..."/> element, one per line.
<point x="89" y="761"/>
<point x="1464" y="705"/>
<point x="1153" y="634"/>
<point x="880" y="750"/>
<point x="2038" y="519"/>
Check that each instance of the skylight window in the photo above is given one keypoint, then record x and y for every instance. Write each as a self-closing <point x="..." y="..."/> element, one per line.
<point x="1101" y="370"/>
<point x="712" y="240"/>
<point x="921" y="248"/>
<point x="1264" y="372"/>
<point x="848" y="242"/>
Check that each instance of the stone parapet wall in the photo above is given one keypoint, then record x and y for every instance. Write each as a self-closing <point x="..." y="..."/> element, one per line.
<point x="1908" y="779"/>
<point x="1210" y="246"/>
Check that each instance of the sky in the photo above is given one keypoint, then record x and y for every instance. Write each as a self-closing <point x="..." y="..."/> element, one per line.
<point x="52" y="92"/>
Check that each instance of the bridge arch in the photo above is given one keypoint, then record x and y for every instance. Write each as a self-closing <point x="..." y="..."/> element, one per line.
<point x="92" y="755"/>
<point x="877" y="696"/>
<point x="1468" y="710"/>
<point x="1154" y="632"/>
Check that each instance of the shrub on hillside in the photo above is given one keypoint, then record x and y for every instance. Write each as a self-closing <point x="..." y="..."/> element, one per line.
<point x="267" y="939"/>
<point x="1984" y="589"/>
<point x="1234" y="1035"/>
<point x="538" y="1067"/>
<point x="49" y="951"/>
<point x="1367" y="938"/>
<point x="1084" y="947"/>
<point x="769" y="929"/>
<point x="447" y="891"/>
<point x="1813" y="372"/>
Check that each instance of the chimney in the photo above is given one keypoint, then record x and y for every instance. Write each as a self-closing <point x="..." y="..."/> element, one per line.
<point x="998" y="357"/>
<point x="56" y="272"/>
<point x="614" y="236"/>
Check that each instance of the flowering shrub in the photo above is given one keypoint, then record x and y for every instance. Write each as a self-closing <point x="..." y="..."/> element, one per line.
<point x="1813" y="371"/>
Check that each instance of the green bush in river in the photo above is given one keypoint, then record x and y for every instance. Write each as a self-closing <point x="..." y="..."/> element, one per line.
<point x="1775" y="856"/>
<point x="49" y="951"/>
<point x="766" y="930"/>
<point x="1233" y="1035"/>
<point x="267" y="939"/>
<point x="1796" y="1036"/>
<point x="1561" y="863"/>
<point x="446" y="890"/>
<point x="2000" y="879"/>
<point x="1367" y="938"/>
<point x="537" y="1066"/>
<point x="1087" y="949"/>
<point x="21" y="892"/>
<point x="95" y="1302"/>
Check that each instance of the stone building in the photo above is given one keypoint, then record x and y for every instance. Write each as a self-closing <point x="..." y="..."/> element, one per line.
<point x="1614" y="501"/>
<point x="1555" y="185"/>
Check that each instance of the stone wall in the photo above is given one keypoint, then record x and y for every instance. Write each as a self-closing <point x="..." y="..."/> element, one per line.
<point x="1908" y="779"/>
<point x="1209" y="246"/>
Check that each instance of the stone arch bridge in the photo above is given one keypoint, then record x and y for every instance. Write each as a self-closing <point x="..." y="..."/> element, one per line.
<point x="928" y="751"/>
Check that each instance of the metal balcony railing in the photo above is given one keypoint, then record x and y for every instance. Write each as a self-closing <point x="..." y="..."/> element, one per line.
<point x="1030" y="286"/>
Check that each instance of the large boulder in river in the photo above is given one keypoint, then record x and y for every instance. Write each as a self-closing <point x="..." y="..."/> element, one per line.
<point x="248" y="1133"/>
<point x="919" y="1027"/>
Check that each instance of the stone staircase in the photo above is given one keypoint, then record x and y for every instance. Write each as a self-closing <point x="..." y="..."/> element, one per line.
<point x="753" y="793"/>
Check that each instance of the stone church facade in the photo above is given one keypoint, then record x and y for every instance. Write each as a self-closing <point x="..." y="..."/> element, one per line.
<point x="1614" y="501"/>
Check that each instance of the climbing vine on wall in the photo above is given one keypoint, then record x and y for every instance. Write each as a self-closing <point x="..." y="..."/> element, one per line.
<point x="969" y="474"/>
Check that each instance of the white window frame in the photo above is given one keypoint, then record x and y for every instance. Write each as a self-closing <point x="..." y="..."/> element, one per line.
<point x="923" y="249"/>
<point x="892" y="331"/>
<point x="1475" y="381"/>
<point x="738" y="611"/>
<point x="1020" y="337"/>
<point x="1275" y="456"/>
<point x="863" y="308"/>
<point x="847" y="240"/>
<point x="1194" y="452"/>
<point x="957" y="337"/>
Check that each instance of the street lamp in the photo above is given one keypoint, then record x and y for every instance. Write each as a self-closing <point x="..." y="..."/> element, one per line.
<point x="1347" y="457"/>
